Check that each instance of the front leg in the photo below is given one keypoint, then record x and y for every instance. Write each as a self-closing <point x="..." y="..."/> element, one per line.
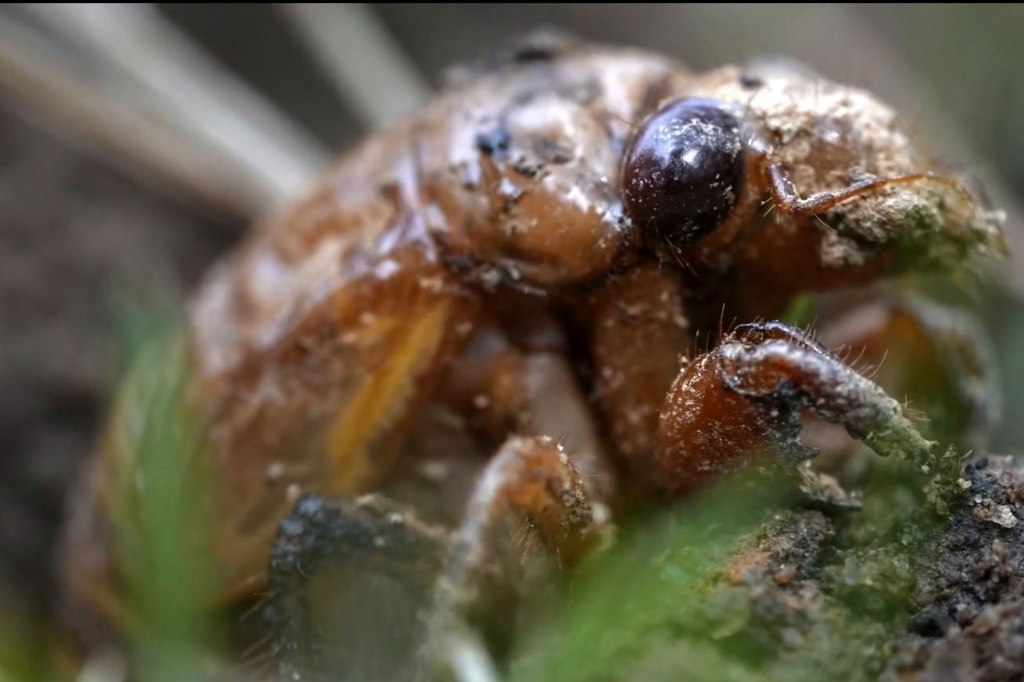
<point x="745" y="397"/>
<point x="552" y="483"/>
<point x="639" y="334"/>
<point x="531" y="481"/>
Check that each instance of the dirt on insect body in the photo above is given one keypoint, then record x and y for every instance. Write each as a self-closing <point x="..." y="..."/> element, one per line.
<point x="491" y="336"/>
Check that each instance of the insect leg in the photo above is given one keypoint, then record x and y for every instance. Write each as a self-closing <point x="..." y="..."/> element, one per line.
<point x="505" y="388"/>
<point x="745" y="397"/>
<point x="788" y="199"/>
<point x="532" y="480"/>
<point x="640" y="335"/>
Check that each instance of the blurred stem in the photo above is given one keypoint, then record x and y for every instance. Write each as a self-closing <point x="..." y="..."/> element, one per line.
<point x="156" y="66"/>
<point x="369" y="69"/>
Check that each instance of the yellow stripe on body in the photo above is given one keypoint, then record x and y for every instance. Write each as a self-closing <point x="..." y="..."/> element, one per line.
<point x="380" y="398"/>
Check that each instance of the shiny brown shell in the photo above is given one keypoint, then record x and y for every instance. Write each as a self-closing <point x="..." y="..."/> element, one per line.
<point x="314" y="346"/>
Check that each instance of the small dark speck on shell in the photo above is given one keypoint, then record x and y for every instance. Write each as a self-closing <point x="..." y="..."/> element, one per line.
<point x="749" y="81"/>
<point x="494" y="141"/>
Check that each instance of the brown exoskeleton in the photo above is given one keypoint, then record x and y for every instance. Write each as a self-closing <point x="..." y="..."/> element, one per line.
<point x="537" y="257"/>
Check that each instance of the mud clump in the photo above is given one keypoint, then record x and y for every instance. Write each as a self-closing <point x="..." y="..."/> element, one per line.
<point x="923" y="583"/>
<point x="971" y="625"/>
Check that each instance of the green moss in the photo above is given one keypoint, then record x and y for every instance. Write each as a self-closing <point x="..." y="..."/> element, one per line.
<point x="161" y="513"/>
<point x="838" y="593"/>
<point x="801" y="311"/>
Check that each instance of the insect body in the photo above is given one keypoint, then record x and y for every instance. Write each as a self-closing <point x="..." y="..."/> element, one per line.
<point x="540" y="253"/>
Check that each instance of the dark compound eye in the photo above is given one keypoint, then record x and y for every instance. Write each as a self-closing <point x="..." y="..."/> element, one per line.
<point x="684" y="171"/>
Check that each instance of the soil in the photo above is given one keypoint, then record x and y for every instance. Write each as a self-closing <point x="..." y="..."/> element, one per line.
<point x="83" y="246"/>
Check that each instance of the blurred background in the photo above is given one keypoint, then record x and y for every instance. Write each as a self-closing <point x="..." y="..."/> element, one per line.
<point x="137" y="143"/>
